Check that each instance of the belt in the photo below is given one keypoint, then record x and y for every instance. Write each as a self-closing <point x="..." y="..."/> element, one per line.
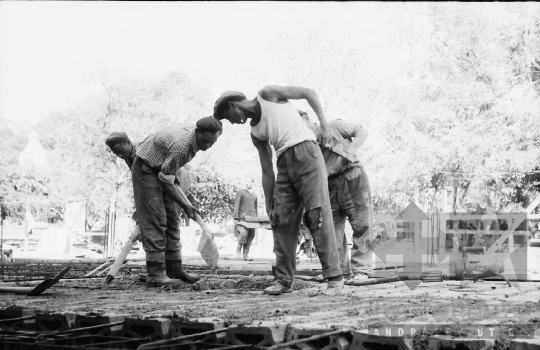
<point x="156" y="171"/>
<point x="351" y="167"/>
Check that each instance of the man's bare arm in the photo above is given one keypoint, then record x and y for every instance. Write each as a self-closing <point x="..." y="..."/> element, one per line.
<point x="275" y="93"/>
<point x="176" y="193"/>
<point x="359" y="139"/>
<point x="268" y="176"/>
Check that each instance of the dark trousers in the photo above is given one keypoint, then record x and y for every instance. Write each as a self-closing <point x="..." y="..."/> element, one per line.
<point x="302" y="184"/>
<point x="245" y="235"/>
<point x="158" y="215"/>
<point x="350" y="197"/>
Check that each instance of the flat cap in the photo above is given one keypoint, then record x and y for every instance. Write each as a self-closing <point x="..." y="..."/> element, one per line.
<point x="209" y="124"/>
<point x="222" y="101"/>
<point x="116" y="137"/>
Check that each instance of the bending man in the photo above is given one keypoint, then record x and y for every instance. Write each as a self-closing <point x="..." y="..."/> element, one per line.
<point x="301" y="180"/>
<point x="158" y="200"/>
<point x="120" y="144"/>
<point x="350" y="195"/>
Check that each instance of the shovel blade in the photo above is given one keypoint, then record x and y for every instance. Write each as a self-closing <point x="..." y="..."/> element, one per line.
<point x="209" y="250"/>
<point x="43" y="286"/>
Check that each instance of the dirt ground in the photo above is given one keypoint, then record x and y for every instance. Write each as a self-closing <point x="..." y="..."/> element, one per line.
<point x="238" y="299"/>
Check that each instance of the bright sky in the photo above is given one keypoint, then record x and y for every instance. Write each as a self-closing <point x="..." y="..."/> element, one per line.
<point x="50" y="51"/>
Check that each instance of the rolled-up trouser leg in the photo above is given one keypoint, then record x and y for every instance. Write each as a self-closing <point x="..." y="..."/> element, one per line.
<point x="150" y="210"/>
<point x="361" y="260"/>
<point x="173" y="247"/>
<point x="285" y="219"/>
<point x="307" y="172"/>
<point x="249" y="239"/>
<point x="250" y="236"/>
<point x="243" y="233"/>
<point x="355" y="201"/>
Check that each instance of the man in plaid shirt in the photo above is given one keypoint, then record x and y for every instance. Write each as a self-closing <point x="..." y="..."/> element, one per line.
<point x="158" y="200"/>
<point x="120" y="144"/>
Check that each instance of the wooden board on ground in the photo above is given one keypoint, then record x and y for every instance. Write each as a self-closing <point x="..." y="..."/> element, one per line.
<point x="256" y="222"/>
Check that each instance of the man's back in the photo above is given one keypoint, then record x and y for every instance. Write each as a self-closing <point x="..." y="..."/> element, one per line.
<point x="170" y="147"/>
<point x="281" y="125"/>
<point x="341" y="134"/>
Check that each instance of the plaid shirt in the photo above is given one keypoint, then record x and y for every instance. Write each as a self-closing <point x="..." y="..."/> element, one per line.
<point x="169" y="149"/>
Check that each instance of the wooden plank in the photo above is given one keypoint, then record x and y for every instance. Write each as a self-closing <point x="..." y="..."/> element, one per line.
<point x="533" y="205"/>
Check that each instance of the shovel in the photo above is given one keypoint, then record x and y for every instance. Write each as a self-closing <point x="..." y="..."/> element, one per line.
<point x="121" y="258"/>
<point x="207" y="246"/>
<point x="37" y="290"/>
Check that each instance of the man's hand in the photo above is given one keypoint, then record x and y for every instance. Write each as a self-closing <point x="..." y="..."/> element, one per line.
<point x="324" y="135"/>
<point x="190" y="211"/>
<point x="352" y="151"/>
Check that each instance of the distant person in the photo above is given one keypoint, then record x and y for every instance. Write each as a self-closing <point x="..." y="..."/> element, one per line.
<point x="350" y="194"/>
<point x="120" y="144"/>
<point x="244" y="205"/>
<point x="301" y="179"/>
<point x="29" y="226"/>
<point x="307" y="245"/>
<point x="7" y="255"/>
<point x="536" y="232"/>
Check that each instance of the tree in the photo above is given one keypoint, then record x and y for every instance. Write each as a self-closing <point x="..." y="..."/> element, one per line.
<point x="76" y="138"/>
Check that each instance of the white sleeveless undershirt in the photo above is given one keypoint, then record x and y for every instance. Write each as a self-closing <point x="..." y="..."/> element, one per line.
<point x="282" y="125"/>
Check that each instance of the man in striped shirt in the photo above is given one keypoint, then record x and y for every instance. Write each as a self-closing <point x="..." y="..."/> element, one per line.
<point x="350" y="195"/>
<point x="158" y="200"/>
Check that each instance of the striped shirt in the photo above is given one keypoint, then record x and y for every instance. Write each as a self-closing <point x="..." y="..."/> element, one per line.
<point x="169" y="149"/>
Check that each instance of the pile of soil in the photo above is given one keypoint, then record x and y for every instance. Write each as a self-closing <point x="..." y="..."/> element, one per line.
<point x="241" y="283"/>
<point x="208" y="282"/>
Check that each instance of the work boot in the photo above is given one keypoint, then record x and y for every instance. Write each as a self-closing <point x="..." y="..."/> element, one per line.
<point x="246" y="252"/>
<point x="360" y="276"/>
<point x="174" y="270"/>
<point x="239" y="251"/>
<point x="156" y="277"/>
<point x="334" y="287"/>
<point x="278" y="288"/>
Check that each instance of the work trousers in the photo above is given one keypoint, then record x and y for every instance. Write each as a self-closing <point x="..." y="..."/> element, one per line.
<point x="350" y="197"/>
<point x="245" y="235"/>
<point x="302" y="184"/>
<point x="158" y="215"/>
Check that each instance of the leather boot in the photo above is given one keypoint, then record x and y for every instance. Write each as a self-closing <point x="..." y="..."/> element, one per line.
<point x="174" y="270"/>
<point x="246" y="252"/>
<point x="155" y="275"/>
<point x="239" y="251"/>
<point x="277" y="288"/>
<point x="334" y="287"/>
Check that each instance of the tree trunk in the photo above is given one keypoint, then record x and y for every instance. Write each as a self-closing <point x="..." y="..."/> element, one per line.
<point x="454" y="205"/>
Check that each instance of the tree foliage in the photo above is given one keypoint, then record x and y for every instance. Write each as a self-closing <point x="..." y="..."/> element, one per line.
<point x="449" y="93"/>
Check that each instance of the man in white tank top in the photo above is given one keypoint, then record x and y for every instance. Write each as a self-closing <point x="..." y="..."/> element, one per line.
<point x="301" y="183"/>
